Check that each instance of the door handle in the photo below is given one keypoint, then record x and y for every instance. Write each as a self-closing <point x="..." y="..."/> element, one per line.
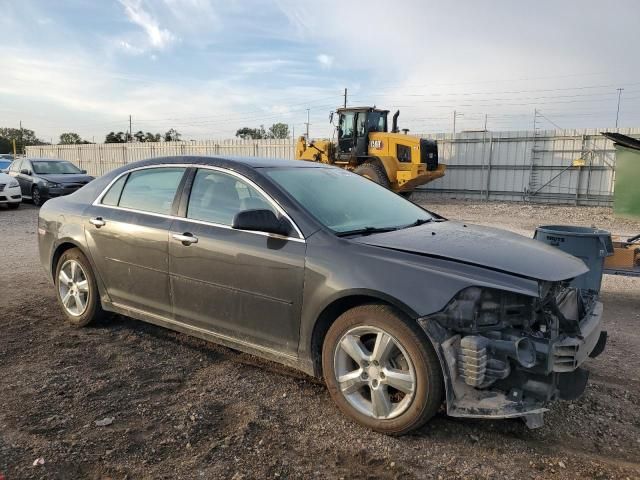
<point x="97" y="222"/>
<point x="186" y="238"/>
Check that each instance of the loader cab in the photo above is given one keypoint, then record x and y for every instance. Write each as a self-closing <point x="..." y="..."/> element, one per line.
<point x="354" y="126"/>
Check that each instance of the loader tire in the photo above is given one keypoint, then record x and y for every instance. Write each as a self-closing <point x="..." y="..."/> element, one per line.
<point x="374" y="172"/>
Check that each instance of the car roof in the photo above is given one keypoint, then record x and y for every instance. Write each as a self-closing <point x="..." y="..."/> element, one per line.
<point x="230" y="162"/>
<point x="36" y="159"/>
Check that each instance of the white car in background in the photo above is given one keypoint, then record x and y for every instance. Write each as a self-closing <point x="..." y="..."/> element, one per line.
<point x="10" y="193"/>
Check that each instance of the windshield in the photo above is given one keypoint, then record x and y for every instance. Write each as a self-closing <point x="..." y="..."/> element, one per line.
<point x="345" y="202"/>
<point x="4" y="164"/>
<point x="58" y="167"/>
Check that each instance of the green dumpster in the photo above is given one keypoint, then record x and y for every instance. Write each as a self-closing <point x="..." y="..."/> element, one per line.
<point x="626" y="195"/>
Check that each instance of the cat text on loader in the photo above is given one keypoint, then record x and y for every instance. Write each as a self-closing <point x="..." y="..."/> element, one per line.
<point x="366" y="146"/>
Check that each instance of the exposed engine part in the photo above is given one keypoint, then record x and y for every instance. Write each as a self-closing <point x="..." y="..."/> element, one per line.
<point x="482" y="360"/>
<point x="472" y="360"/>
<point x="534" y="420"/>
<point x="506" y="355"/>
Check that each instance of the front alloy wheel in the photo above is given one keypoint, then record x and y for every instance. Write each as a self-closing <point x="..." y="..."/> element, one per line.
<point x="374" y="372"/>
<point x="381" y="369"/>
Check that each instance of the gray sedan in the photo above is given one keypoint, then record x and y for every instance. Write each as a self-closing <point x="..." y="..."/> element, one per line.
<point x="398" y="309"/>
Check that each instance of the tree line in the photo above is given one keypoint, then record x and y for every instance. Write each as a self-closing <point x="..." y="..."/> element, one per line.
<point x="277" y="130"/>
<point x="25" y="136"/>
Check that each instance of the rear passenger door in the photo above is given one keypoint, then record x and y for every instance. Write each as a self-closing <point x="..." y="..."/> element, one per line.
<point x="127" y="233"/>
<point x="239" y="284"/>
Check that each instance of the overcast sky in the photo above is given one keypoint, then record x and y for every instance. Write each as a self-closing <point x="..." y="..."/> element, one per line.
<point x="209" y="67"/>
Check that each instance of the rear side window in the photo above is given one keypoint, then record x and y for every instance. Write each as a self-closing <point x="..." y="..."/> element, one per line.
<point x="112" y="197"/>
<point x="151" y="190"/>
<point x="217" y="197"/>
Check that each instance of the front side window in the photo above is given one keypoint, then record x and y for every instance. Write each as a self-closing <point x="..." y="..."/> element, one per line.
<point x="151" y="189"/>
<point x="217" y="197"/>
<point x="59" y="168"/>
<point x="344" y="201"/>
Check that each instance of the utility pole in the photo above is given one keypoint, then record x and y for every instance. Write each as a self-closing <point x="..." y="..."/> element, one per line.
<point x="21" y="137"/>
<point x="307" y="124"/>
<point x="618" y="111"/>
<point x="130" y="130"/>
<point x="485" y="122"/>
<point x="345" y="98"/>
<point x="293" y="132"/>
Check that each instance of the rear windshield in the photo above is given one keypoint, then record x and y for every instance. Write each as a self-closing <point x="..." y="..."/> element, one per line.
<point x="61" y="168"/>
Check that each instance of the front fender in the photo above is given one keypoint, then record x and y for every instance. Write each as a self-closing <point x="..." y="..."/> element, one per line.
<point x="417" y="285"/>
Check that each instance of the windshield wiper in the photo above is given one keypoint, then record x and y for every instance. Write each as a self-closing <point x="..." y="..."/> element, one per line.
<point x="366" y="231"/>
<point x="420" y="221"/>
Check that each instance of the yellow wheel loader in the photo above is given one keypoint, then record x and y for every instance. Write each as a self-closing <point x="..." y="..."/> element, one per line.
<point x="365" y="146"/>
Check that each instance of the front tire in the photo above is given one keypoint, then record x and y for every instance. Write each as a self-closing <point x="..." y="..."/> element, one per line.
<point x="381" y="370"/>
<point x="36" y="196"/>
<point x="76" y="289"/>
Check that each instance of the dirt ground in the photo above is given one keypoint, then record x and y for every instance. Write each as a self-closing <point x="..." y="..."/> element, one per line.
<point x="183" y="408"/>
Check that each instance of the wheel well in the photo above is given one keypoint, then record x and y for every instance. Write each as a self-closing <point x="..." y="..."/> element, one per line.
<point x="326" y="319"/>
<point x="63" y="247"/>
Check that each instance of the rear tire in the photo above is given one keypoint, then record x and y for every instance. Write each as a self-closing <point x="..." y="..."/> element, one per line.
<point x="13" y="206"/>
<point x="374" y="172"/>
<point x="397" y="384"/>
<point x="76" y="289"/>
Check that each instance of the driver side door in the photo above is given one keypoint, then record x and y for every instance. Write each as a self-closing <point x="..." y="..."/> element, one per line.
<point x="238" y="284"/>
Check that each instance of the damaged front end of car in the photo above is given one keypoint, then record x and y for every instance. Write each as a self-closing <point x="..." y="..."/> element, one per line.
<point x="507" y="355"/>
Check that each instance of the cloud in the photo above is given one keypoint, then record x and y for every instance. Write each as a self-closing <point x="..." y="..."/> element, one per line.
<point x="326" y="61"/>
<point x="82" y="93"/>
<point x="159" y="38"/>
<point x="129" y="48"/>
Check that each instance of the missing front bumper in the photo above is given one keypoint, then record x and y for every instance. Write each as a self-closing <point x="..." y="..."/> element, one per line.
<point x="523" y="392"/>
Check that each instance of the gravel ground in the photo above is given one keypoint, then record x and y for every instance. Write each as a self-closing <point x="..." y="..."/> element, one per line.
<point x="177" y="407"/>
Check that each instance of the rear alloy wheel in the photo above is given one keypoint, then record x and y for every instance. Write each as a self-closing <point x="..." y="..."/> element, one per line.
<point x="381" y="370"/>
<point x="76" y="288"/>
<point x="375" y="172"/>
<point x="36" y="196"/>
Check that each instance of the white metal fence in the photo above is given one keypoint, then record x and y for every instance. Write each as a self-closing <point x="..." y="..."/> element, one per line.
<point x="518" y="166"/>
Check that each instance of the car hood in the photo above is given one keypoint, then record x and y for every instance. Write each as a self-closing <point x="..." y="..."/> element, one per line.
<point x="68" y="178"/>
<point x="483" y="246"/>
<point x="5" y="178"/>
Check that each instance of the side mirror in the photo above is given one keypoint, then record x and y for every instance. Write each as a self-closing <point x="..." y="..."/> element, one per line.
<point x="261" y="221"/>
<point x="24" y="171"/>
<point x="83" y="171"/>
<point x="331" y="118"/>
